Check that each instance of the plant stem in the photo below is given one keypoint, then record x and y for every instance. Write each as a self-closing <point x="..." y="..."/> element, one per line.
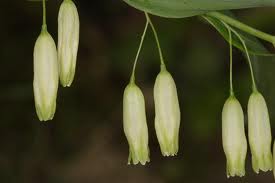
<point x="233" y="22"/>
<point x="44" y="25"/>
<point x="231" y="59"/>
<point x="231" y="63"/>
<point x="163" y="67"/>
<point x="254" y="86"/>
<point x="132" y="80"/>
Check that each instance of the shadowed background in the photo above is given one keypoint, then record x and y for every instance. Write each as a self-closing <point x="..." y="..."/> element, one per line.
<point x="85" y="141"/>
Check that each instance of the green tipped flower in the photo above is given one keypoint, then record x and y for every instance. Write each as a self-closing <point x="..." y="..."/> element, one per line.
<point x="45" y="82"/>
<point x="259" y="133"/>
<point x="68" y="40"/>
<point x="135" y="125"/>
<point x="167" y="120"/>
<point x="233" y="137"/>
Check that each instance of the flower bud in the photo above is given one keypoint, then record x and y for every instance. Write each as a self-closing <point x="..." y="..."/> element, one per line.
<point x="45" y="82"/>
<point x="167" y="119"/>
<point x="233" y="137"/>
<point x="135" y="125"/>
<point x="68" y="40"/>
<point x="259" y="133"/>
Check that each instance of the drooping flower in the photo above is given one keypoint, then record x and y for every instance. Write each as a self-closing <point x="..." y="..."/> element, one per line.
<point x="167" y="119"/>
<point x="259" y="132"/>
<point x="45" y="83"/>
<point x="233" y="137"/>
<point x="135" y="125"/>
<point x="68" y="40"/>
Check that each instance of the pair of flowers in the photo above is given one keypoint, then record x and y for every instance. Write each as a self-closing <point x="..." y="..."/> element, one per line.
<point x="167" y="119"/>
<point x="52" y="64"/>
<point x="259" y="135"/>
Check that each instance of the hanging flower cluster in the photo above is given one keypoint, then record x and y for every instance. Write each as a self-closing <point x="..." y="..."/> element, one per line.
<point x="167" y="119"/>
<point x="51" y="64"/>
<point x="233" y="133"/>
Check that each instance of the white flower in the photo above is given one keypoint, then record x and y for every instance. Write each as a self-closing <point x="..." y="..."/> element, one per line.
<point x="167" y="119"/>
<point x="233" y="137"/>
<point x="135" y="125"/>
<point x="68" y="40"/>
<point x="45" y="83"/>
<point x="259" y="133"/>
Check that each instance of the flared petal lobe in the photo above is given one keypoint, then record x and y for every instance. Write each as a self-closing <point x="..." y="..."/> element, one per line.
<point x="135" y="125"/>
<point x="233" y="137"/>
<point x="45" y="83"/>
<point x="167" y="119"/>
<point x="259" y="132"/>
<point x="68" y="40"/>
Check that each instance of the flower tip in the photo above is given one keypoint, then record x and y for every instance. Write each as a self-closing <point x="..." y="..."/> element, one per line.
<point x="169" y="154"/>
<point x="65" y="85"/>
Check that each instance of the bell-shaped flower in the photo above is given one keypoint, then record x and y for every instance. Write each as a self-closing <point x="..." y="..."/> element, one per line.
<point x="233" y="137"/>
<point x="167" y="119"/>
<point x="259" y="133"/>
<point x="135" y="125"/>
<point x="68" y="40"/>
<point x="45" y="82"/>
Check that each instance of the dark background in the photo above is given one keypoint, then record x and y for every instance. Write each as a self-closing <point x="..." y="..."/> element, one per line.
<point x="85" y="141"/>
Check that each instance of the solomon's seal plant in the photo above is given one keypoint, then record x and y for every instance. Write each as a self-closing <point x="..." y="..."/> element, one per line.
<point x="51" y="64"/>
<point x="167" y="120"/>
<point x="243" y="37"/>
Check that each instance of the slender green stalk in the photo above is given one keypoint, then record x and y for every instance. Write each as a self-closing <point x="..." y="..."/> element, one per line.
<point x="254" y="86"/>
<point x="231" y="63"/>
<point x="44" y="25"/>
<point x="235" y="23"/>
<point x="132" y="80"/>
<point x="163" y="67"/>
<point x="231" y="60"/>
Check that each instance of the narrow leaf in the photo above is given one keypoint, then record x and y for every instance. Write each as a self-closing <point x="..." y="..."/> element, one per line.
<point x="187" y="8"/>
<point x="254" y="46"/>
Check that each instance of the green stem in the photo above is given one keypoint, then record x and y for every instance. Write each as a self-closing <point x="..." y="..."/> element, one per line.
<point x="235" y="23"/>
<point x="231" y="63"/>
<point x="163" y="67"/>
<point x="231" y="59"/>
<point x="132" y="80"/>
<point x="44" y="25"/>
<point x="254" y="86"/>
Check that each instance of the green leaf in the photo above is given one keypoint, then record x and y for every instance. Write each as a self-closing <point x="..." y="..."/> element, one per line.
<point x="187" y="8"/>
<point x="254" y="46"/>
